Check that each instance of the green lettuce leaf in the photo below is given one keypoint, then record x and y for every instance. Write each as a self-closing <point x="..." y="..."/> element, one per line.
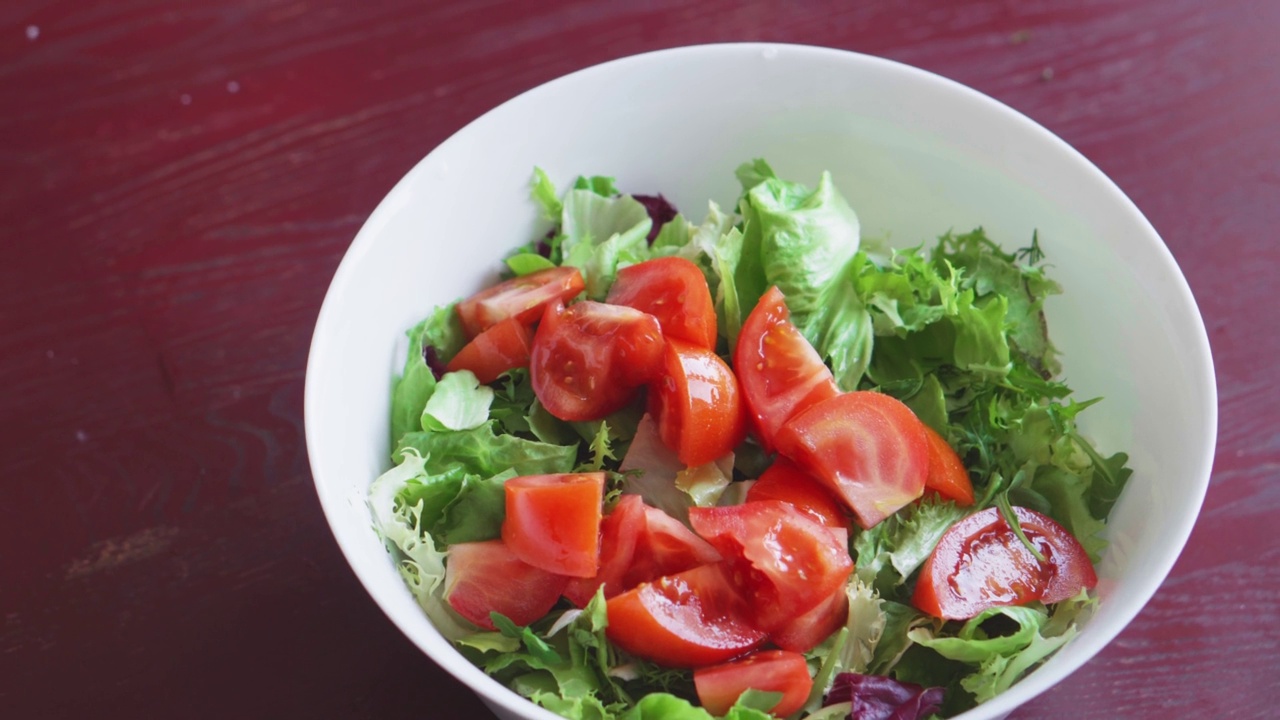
<point x="602" y="234"/>
<point x="887" y="554"/>
<point x="459" y="402"/>
<point x="481" y="451"/>
<point x="441" y="330"/>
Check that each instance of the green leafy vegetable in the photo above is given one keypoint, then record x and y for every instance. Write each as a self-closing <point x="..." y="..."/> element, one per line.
<point x="459" y="402"/>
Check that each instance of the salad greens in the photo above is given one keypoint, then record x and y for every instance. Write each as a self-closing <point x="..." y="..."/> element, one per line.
<point x="955" y="330"/>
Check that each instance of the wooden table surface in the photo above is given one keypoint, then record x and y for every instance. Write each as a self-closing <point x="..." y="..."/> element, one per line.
<point x="180" y="180"/>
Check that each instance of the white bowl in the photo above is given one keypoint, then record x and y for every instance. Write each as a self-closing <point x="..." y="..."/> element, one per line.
<point x="914" y="153"/>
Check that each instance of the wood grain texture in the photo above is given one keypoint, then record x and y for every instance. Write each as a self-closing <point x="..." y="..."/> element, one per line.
<point x="180" y="181"/>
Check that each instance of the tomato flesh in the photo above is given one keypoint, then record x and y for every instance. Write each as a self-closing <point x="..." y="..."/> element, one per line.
<point x="788" y="483"/>
<point x="673" y="290"/>
<point x="689" y="619"/>
<point x="696" y="403"/>
<point x="503" y="347"/>
<point x="866" y="447"/>
<point x="523" y="298"/>
<point x="780" y="372"/>
<point x="639" y="544"/>
<point x="720" y="686"/>
<point x="525" y="594"/>
<point x="589" y="359"/>
<point x="786" y="561"/>
<point x="947" y="475"/>
<point x="980" y="563"/>
<point x="553" y="521"/>
<point x="804" y="632"/>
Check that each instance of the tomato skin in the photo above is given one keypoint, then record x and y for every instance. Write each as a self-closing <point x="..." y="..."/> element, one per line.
<point x="689" y="619"/>
<point x="525" y="594"/>
<point x="696" y="403"/>
<point x="553" y="521"/>
<point x="947" y="475"/>
<point x="589" y="359"/>
<point x="673" y="290"/>
<point x="523" y="298"/>
<point x="980" y="563"/>
<point x="720" y="686"/>
<point x="780" y="372"/>
<point x="786" y="561"/>
<point x="503" y="347"/>
<point x="866" y="447"/>
<point x="639" y="544"/>
<point x="784" y="481"/>
<point x="804" y="632"/>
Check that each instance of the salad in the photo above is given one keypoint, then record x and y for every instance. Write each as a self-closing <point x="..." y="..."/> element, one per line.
<point x="752" y="467"/>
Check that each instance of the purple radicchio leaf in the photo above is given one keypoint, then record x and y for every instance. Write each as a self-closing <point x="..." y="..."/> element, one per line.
<point x="660" y="210"/>
<point x="881" y="698"/>
<point x="433" y="361"/>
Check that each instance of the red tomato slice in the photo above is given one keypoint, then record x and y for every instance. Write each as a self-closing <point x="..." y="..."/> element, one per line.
<point x="588" y="359"/>
<point x="803" y="633"/>
<point x="696" y="403"/>
<point x="522" y="298"/>
<point x="867" y="447"/>
<point x="780" y="372"/>
<point x="503" y="347"/>
<point x="788" y="483"/>
<point x="553" y="521"/>
<point x="673" y="290"/>
<point x="980" y="563"/>
<point x="689" y="619"/>
<point x="640" y="544"/>
<point x="947" y="474"/>
<point x="525" y="593"/>
<point x="786" y="561"/>
<point x="720" y="686"/>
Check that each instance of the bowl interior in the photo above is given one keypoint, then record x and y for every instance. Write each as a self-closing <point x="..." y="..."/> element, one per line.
<point x="915" y="154"/>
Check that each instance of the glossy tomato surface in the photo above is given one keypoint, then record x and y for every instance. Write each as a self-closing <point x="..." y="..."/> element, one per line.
<point x="525" y="593"/>
<point x="947" y="475"/>
<point x="696" y="403"/>
<point x="866" y="447"/>
<point x="980" y="563"/>
<point x="639" y="544"/>
<point x="588" y="359"/>
<point x="503" y="347"/>
<point x="787" y="562"/>
<point x="779" y="371"/>
<point x="553" y="521"/>
<point x="673" y="290"/>
<point x="689" y="619"/>
<point x="803" y="632"/>
<point x="780" y="671"/>
<point x="784" y="481"/>
<point x="523" y="298"/>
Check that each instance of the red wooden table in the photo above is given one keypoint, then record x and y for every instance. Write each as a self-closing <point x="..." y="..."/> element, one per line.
<point x="180" y="181"/>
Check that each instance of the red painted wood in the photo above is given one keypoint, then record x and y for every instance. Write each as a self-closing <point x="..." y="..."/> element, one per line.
<point x="180" y="180"/>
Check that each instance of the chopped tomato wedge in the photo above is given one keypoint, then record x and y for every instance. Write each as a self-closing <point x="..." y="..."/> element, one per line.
<point x="803" y="633"/>
<point x="525" y="594"/>
<point x="783" y="559"/>
<point x="639" y="544"/>
<point x="696" y="403"/>
<point x="689" y="619"/>
<point x="720" y="686"/>
<point x="980" y="563"/>
<point x="947" y="474"/>
<point x="553" y="521"/>
<point x="780" y="372"/>
<point x="788" y="483"/>
<point x="673" y="290"/>
<point x="589" y="359"/>
<point x="866" y="447"/>
<point x="522" y="298"/>
<point x="503" y="347"/>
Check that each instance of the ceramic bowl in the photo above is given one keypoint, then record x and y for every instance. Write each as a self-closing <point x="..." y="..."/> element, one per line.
<point x="914" y="153"/>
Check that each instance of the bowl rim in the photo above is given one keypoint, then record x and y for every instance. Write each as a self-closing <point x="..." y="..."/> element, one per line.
<point x="495" y="694"/>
